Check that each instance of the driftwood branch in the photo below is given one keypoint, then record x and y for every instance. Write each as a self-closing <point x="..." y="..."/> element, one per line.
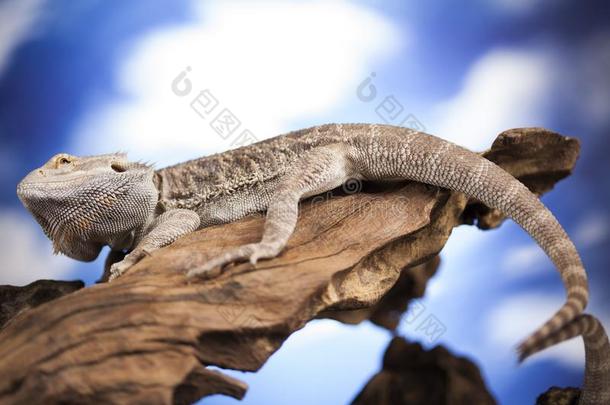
<point x="412" y="375"/>
<point x="149" y="336"/>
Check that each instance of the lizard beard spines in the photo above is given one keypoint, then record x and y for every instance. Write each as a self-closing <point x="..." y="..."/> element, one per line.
<point x="83" y="213"/>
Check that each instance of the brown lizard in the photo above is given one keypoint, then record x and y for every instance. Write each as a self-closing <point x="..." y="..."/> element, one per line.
<point x="84" y="203"/>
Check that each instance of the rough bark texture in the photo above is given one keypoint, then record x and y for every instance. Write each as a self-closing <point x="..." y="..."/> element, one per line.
<point x="388" y="312"/>
<point x="414" y="376"/>
<point x="15" y="300"/>
<point x="559" y="396"/>
<point x="149" y="336"/>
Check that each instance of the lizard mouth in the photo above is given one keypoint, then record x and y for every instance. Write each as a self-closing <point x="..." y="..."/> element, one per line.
<point x="36" y="187"/>
<point x="37" y="196"/>
<point x="38" y="179"/>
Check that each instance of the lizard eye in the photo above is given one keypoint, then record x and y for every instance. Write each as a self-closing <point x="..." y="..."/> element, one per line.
<point x="63" y="161"/>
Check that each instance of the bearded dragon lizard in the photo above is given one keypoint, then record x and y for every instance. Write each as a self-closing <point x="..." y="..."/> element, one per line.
<point x="84" y="203"/>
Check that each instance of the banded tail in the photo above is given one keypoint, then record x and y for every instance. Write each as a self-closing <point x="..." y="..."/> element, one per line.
<point x="596" y="389"/>
<point x="515" y="200"/>
<point x="526" y="209"/>
<point x="450" y="166"/>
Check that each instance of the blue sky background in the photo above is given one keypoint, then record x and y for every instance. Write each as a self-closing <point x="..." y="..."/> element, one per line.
<point x="91" y="76"/>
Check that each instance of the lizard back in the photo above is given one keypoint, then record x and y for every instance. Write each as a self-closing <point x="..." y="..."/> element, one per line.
<point x="210" y="178"/>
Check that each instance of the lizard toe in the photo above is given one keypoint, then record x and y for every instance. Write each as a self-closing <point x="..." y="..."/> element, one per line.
<point x="263" y="251"/>
<point x="119" y="268"/>
<point x="209" y="269"/>
<point x="251" y="252"/>
<point x="116" y="270"/>
<point x="214" y="266"/>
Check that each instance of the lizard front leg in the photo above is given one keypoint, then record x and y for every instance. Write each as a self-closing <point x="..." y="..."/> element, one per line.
<point x="321" y="169"/>
<point x="165" y="229"/>
<point x="114" y="256"/>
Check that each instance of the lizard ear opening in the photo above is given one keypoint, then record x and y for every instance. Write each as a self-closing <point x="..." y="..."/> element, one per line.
<point x="117" y="167"/>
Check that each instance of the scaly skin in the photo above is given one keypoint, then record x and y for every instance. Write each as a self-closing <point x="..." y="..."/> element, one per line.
<point x="83" y="203"/>
<point x="596" y="389"/>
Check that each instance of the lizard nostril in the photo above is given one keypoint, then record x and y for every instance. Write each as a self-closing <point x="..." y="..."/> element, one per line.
<point x="41" y="172"/>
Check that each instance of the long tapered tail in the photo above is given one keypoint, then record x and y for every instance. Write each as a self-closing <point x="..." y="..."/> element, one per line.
<point x="596" y="389"/>
<point x="510" y="196"/>
<point x="526" y="209"/>
<point x="453" y="167"/>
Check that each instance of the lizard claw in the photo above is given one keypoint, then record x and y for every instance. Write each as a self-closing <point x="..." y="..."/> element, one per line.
<point x="251" y="252"/>
<point x="119" y="268"/>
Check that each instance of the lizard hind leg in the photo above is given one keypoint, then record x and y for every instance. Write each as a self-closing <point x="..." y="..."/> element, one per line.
<point x="321" y="169"/>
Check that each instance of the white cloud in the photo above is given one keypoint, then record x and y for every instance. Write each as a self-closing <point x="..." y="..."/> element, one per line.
<point x="504" y="89"/>
<point x="457" y="254"/>
<point x="17" y="19"/>
<point x="591" y="81"/>
<point x="318" y="331"/>
<point x="525" y="260"/>
<point x="272" y="64"/>
<point x="530" y="259"/>
<point x="521" y="6"/>
<point x="592" y="230"/>
<point x="26" y="254"/>
<point x="513" y="319"/>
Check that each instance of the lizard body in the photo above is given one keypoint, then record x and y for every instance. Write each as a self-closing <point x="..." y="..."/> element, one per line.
<point x="83" y="203"/>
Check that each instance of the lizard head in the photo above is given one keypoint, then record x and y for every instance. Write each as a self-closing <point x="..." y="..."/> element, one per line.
<point x="83" y="203"/>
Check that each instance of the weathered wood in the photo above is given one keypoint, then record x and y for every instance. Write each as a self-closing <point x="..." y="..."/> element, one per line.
<point x="559" y="396"/>
<point x="15" y="300"/>
<point x="414" y="376"/>
<point x="149" y="336"/>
